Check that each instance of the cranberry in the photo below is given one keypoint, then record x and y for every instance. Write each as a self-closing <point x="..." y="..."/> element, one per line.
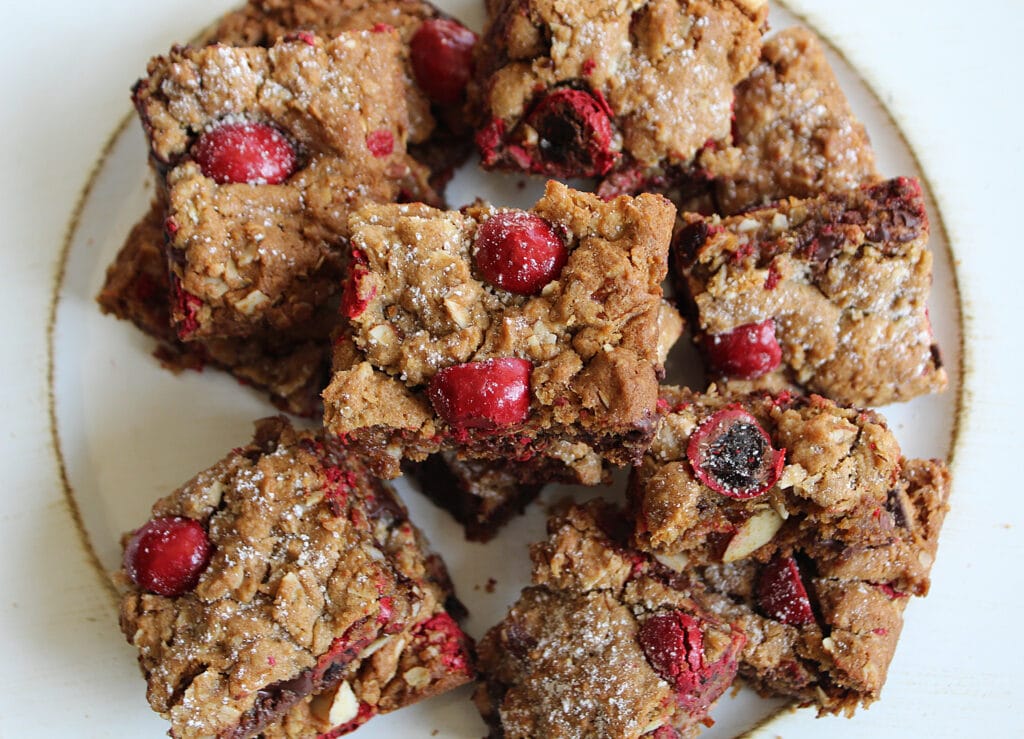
<point x="782" y="594"/>
<point x="441" y="51"/>
<point x="495" y="392"/>
<point x="574" y="133"/>
<point x="380" y="142"/>
<point x="254" y="153"/>
<point x="519" y="252"/>
<point x="358" y="292"/>
<point x="733" y="455"/>
<point x="674" y="646"/>
<point x="746" y="352"/>
<point x="167" y="555"/>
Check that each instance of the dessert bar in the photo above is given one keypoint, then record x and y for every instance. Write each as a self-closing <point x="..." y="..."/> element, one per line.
<point x="284" y="572"/>
<point x="799" y="522"/>
<point x="823" y="615"/>
<point x="436" y="53"/>
<point x="594" y="88"/>
<point x="793" y="133"/>
<point x="503" y="334"/>
<point x="263" y="159"/>
<point x="291" y="369"/>
<point x="827" y="293"/>
<point x="605" y="643"/>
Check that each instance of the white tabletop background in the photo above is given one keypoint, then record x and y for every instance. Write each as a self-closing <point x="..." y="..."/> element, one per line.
<point x="949" y="73"/>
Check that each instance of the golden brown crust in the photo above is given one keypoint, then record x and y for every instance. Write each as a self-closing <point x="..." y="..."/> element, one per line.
<point x="313" y="561"/>
<point x="293" y="369"/>
<point x="844" y="277"/>
<point x="592" y="334"/>
<point x="836" y="460"/>
<point x="245" y="257"/>
<point x="793" y="134"/>
<point x="666" y="69"/>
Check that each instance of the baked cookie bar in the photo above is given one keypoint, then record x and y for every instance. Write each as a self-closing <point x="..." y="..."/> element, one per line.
<point x="793" y="132"/>
<point x="285" y="584"/>
<point x="483" y="494"/>
<point x="725" y="474"/>
<point x="799" y="521"/>
<point x="263" y="158"/>
<point x="292" y="369"/>
<point x="436" y="54"/>
<point x="828" y="293"/>
<point x="823" y="615"/>
<point x="605" y="643"/>
<point x="503" y="334"/>
<point x="590" y="88"/>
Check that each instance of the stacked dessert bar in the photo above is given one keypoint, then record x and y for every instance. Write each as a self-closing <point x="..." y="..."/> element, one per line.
<point x="772" y="530"/>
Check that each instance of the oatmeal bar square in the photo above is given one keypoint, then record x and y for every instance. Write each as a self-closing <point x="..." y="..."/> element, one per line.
<point x="793" y="132"/>
<point x="436" y="55"/>
<point x="726" y="473"/>
<point x="591" y="88"/>
<point x="291" y="368"/>
<point x="285" y="571"/>
<point x="263" y="153"/>
<point x="503" y="333"/>
<point x="827" y="293"/>
<point x="823" y="616"/>
<point x="605" y="643"/>
<point x="799" y="521"/>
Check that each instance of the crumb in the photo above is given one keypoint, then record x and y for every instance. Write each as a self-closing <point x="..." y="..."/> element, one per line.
<point x="491" y="582"/>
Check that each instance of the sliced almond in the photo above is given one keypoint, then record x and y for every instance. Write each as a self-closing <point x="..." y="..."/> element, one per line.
<point x="675" y="562"/>
<point x="345" y="705"/>
<point x="755" y="532"/>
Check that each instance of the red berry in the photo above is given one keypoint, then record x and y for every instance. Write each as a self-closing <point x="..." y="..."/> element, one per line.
<point x="574" y="134"/>
<point x="254" y="153"/>
<point x="495" y="392"/>
<point x="782" y="594"/>
<point x="441" y="51"/>
<point x="519" y="252"/>
<point x="733" y="455"/>
<point x="746" y="352"/>
<point x="674" y="646"/>
<point x="380" y="142"/>
<point x="167" y="555"/>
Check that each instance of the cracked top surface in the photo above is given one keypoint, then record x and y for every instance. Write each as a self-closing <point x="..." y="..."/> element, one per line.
<point x="845" y="277"/>
<point x="858" y="592"/>
<point x="292" y="369"/>
<point x="666" y="68"/>
<point x="793" y="133"/>
<point x="592" y="335"/>
<point x="251" y="257"/>
<point x="837" y="460"/>
<point x="261" y="22"/>
<point x="305" y="570"/>
<point x="568" y="660"/>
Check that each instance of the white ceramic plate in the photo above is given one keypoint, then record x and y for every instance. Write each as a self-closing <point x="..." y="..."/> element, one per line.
<point x="131" y="432"/>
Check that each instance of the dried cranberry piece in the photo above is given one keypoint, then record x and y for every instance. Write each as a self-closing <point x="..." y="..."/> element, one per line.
<point x="574" y="134"/>
<point x="167" y="555"/>
<point x="519" y="252"/>
<point x="441" y="52"/>
<point x="746" y="352"/>
<point x="674" y="646"/>
<point x="495" y="392"/>
<point x="254" y="153"/>
<point x="782" y="594"/>
<point x="733" y="455"/>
